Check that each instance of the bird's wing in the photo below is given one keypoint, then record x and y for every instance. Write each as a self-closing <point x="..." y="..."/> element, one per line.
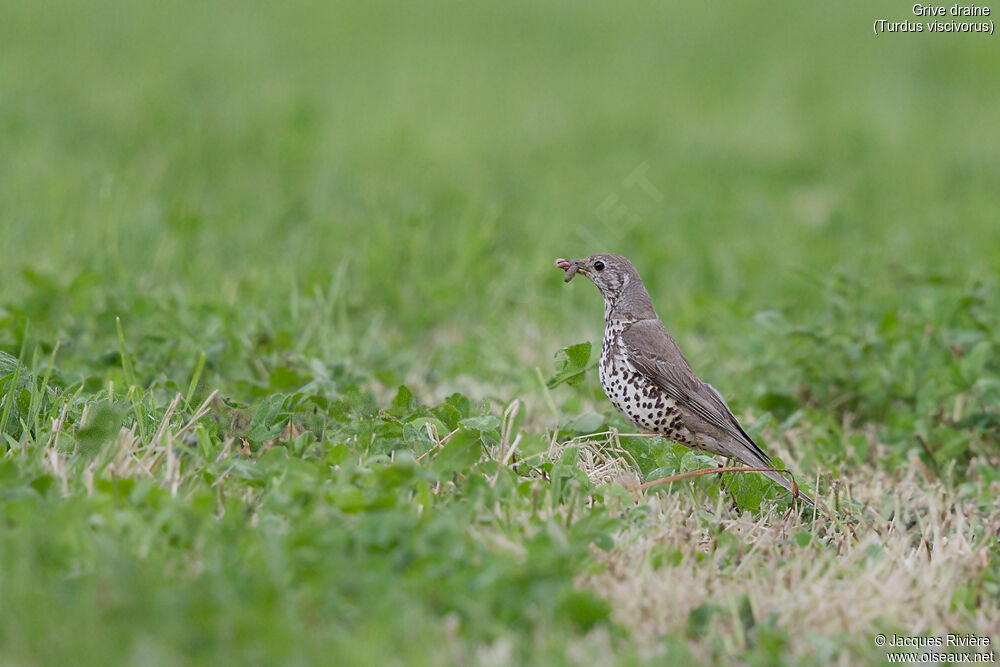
<point x="653" y="352"/>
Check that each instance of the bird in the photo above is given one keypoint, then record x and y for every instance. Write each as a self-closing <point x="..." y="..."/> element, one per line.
<point x="649" y="380"/>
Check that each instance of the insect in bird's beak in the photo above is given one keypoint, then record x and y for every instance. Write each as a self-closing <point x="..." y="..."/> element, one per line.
<point x="569" y="267"/>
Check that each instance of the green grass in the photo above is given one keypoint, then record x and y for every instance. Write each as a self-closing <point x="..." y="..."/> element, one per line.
<point x="260" y="260"/>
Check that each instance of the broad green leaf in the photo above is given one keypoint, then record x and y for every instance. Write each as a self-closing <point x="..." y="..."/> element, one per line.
<point x="570" y="364"/>
<point x="588" y="422"/>
<point x="460" y="453"/>
<point x="415" y="432"/>
<point x="749" y="489"/>
<point x="485" y="424"/>
<point x="404" y="403"/>
<point x="448" y="414"/>
<point x="698" y="619"/>
<point x="285" y="379"/>
<point x="533" y="443"/>
<point x="584" y="608"/>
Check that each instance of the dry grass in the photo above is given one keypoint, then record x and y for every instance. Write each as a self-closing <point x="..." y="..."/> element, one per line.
<point x="897" y="570"/>
<point x="603" y="459"/>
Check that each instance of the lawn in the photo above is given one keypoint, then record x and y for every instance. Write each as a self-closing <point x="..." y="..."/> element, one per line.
<point x="288" y="375"/>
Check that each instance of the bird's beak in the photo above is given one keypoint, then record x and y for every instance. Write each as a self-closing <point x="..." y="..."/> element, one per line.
<point x="570" y="266"/>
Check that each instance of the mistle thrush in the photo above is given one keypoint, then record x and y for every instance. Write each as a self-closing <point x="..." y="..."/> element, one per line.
<point x="647" y="377"/>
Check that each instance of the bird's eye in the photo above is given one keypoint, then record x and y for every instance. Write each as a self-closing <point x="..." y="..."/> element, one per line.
<point x="598" y="265"/>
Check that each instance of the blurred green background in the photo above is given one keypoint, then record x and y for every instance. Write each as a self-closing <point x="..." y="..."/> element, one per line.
<point x="443" y="154"/>
<point x="328" y="199"/>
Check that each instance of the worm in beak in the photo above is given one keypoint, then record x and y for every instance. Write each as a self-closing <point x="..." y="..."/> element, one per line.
<point x="569" y="267"/>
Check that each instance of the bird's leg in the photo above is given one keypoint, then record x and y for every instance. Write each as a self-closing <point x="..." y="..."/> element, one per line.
<point x="707" y="471"/>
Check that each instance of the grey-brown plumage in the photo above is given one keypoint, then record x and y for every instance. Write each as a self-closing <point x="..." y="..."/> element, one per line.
<point x="648" y="379"/>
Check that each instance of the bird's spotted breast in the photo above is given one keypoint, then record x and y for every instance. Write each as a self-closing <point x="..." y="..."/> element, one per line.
<point x="641" y="401"/>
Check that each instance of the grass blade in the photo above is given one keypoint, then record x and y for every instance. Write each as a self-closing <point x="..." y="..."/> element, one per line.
<point x="127" y="367"/>
<point x="199" y="367"/>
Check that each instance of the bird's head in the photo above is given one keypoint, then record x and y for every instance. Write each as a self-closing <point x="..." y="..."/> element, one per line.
<point x="612" y="274"/>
